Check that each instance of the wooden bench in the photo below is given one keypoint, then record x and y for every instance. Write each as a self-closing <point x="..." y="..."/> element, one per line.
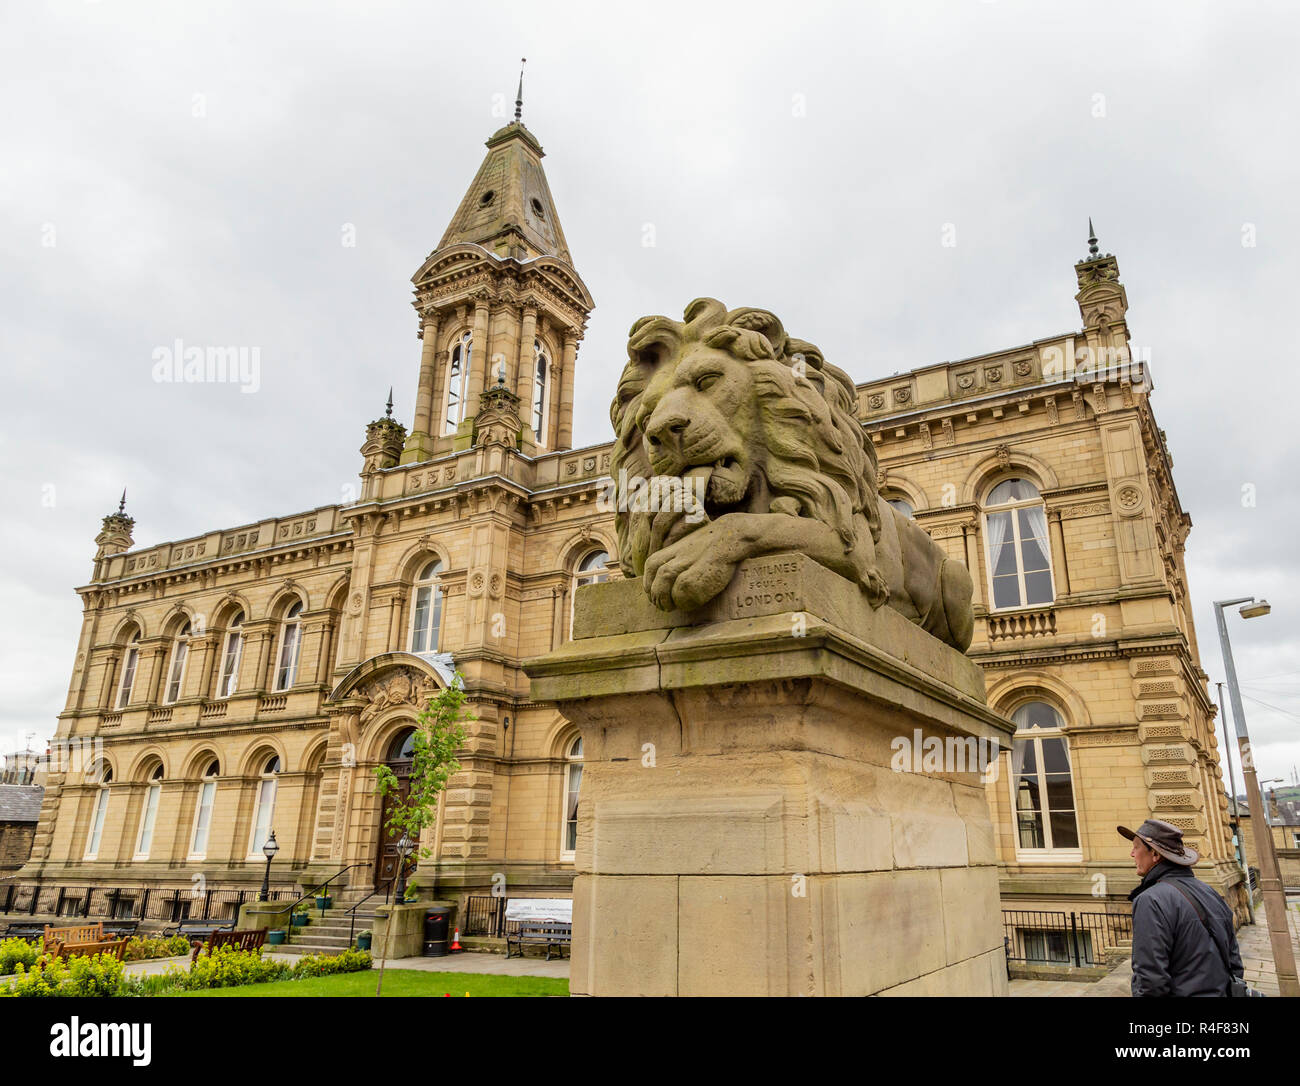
<point x="240" y="940"/>
<point x="84" y="939"/>
<point x="548" y="934"/>
<point x="114" y="947"/>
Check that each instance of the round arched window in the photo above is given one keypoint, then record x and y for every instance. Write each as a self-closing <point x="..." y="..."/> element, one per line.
<point x="426" y="609"/>
<point x="572" y="790"/>
<point x="402" y="748"/>
<point x="1043" y="784"/>
<point x="1015" y="529"/>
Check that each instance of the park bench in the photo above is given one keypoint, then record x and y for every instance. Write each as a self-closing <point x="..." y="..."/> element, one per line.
<point x="198" y="929"/>
<point x="122" y="929"/>
<point x="64" y="942"/>
<point x="548" y="934"/>
<point x="240" y="940"/>
<point x="24" y="931"/>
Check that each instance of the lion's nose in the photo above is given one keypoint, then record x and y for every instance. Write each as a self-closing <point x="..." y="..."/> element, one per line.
<point x="668" y="430"/>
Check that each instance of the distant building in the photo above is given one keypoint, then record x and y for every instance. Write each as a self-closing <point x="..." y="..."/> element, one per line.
<point x="20" y="809"/>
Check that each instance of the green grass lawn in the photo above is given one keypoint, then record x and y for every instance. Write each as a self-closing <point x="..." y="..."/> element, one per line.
<point x="400" y="982"/>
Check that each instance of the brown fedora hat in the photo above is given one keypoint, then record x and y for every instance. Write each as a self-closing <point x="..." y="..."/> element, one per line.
<point x="1165" y="839"/>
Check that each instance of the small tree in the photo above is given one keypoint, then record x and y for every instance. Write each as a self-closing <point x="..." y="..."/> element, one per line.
<point x="439" y="733"/>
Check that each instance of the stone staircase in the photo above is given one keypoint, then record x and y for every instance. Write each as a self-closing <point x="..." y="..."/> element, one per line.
<point x="328" y="934"/>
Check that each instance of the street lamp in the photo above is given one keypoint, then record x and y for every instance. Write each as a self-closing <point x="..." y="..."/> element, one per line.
<point x="1238" y="838"/>
<point x="1270" y="879"/>
<point x="404" y="849"/>
<point x="268" y="850"/>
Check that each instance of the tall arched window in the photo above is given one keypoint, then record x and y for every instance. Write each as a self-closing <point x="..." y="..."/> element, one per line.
<point x="264" y="810"/>
<point x="1046" y="822"/>
<point x="149" y="814"/>
<point x="572" y="789"/>
<point x="176" y="673"/>
<point x="593" y="569"/>
<point x="203" y="811"/>
<point x="457" y="373"/>
<point x="426" y="610"/>
<point x="1015" y="530"/>
<point x="902" y="505"/>
<point x="541" y="390"/>
<point x="286" y="670"/>
<point x="129" y="665"/>
<point x="104" y="773"/>
<point x="234" y="648"/>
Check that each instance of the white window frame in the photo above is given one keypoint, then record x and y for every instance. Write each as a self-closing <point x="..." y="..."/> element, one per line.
<point x="207" y="789"/>
<point x="286" y="672"/>
<point x="430" y="580"/>
<point x="228" y="671"/>
<point x="95" y="837"/>
<point x="176" y="672"/>
<point x="543" y="379"/>
<point x="1047" y="854"/>
<point x="130" y="665"/>
<point x="1014" y="508"/>
<point x="148" y="817"/>
<point x="571" y="761"/>
<point x="264" y="799"/>
<point x="459" y="361"/>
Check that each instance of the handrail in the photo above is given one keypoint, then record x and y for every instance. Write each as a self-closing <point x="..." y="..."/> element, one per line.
<point x="352" y="925"/>
<point x="288" y="928"/>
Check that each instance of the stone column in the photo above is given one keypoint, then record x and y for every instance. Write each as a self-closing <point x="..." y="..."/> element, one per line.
<point x="1060" y="561"/>
<point x="564" y="429"/>
<point x="524" y="374"/>
<point x="478" y="357"/>
<point x="419" y="441"/>
<point x="752" y="819"/>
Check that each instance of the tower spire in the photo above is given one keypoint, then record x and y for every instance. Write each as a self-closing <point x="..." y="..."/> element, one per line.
<point x="121" y="506"/>
<point x="519" y="95"/>
<point x="388" y="413"/>
<point x="1093" y="251"/>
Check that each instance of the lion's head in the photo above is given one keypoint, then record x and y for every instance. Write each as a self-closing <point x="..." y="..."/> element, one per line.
<point x="758" y="423"/>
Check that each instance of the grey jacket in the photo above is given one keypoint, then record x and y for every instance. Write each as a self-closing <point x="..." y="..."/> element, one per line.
<point x="1172" y="952"/>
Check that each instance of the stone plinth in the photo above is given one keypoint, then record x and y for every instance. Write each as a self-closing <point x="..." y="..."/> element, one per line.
<point x="743" y="826"/>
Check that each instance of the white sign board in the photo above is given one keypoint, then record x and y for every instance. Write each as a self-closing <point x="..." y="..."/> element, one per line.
<point x="558" y="909"/>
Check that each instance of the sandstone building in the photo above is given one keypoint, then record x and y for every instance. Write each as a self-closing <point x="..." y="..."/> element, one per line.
<point x="248" y="679"/>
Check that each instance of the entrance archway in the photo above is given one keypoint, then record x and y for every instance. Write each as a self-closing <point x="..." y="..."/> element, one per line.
<point x="387" y="857"/>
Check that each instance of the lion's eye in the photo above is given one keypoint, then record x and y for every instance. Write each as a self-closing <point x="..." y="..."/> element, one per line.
<point x="707" y="381"/>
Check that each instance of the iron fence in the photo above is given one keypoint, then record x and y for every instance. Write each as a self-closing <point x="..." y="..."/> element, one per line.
<point x="485" y="916"/>
<point x="1062" y="938"/>
<point x="132" y="903"/>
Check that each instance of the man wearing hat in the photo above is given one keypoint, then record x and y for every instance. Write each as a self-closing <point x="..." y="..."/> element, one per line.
<point x="1183" y="938"/>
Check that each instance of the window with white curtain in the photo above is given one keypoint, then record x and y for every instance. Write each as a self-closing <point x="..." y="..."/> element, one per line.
<point x="541" y="390"/>
<point x="1019" y="555"/>
<point x="149" y="814"/>
<point x="203" y="812"/>
<point x="426" y="610"/>
<point x="176" y="673"/>
<point x="457" y="379"/>
<point x="101" y="811"/>
<point x="264" y="811"/>
<point x="572" y="789"/>
<point x="1043" y="787"/>
<point x="129" y="666"/>
<point x="229" y="677"/>
<point x="290" y="644"/>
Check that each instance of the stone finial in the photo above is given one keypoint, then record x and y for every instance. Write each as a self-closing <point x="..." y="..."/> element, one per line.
<point x="519" y="95"/>
<point x="383" y="445"/>
<point x="115" y="533"/>
<point x="1093" y="251"/>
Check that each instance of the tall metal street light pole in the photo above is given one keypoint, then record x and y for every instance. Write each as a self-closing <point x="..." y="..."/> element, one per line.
<point x="1270" y="878"/>
<point x="1239" y="840"/>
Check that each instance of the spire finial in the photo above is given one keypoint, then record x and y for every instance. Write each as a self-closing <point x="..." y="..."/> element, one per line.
<point x="389" y="411"/>
<point x="1093" y="251"/>
<point x="121" y="506"/>
<point x="519" y="96"/>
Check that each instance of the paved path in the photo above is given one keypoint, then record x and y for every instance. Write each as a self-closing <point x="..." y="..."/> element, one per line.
<point x="1256" y="956"/>
<point x="469" y="961"/>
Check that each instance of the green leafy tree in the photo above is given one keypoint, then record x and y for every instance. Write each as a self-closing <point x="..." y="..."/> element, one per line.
<point x="439" y="733"/>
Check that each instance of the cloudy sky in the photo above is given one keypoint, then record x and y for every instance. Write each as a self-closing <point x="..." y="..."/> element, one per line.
<point x="191" y="171"/>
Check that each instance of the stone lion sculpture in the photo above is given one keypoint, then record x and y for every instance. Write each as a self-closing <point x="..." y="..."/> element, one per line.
<point x="763" y="430"/>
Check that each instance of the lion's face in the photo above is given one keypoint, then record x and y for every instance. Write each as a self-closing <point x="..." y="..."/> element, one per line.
<point x="700" y="418"/>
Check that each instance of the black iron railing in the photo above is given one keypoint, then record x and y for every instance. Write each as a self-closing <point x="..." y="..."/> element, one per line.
<point x="485" y="916"/>
<point x="133" y="903"/>
<point x="1061" y="938"/>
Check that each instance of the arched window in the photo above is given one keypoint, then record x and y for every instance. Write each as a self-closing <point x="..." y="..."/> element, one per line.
<point x="402" y="748"/>
<point x="290" y="644"/>
<point x="203" y="811"/>
<point x="1015" y="530"/>
<point x="902" y="505"/>
<point x="104" y="772"/>
<point x="572" y="789"/>
<point x="129" y="666"/>
<point x="457" y="372"/>
<point x="176" y="673"/>
<point x="229" y="677"/>
<point x="541" y="390"/>
<point x="264" y="811"/>
<point x="426" y="610"/>
<point x="593" y="569"/>
<point x="144" y="840"/>
<point x="1046" y="822"/>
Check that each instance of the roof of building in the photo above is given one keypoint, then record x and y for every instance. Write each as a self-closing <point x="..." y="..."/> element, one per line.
<point x="20" y="802"/>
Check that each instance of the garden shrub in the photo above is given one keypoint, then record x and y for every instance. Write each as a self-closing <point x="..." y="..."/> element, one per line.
<point x="81" y="975"/>
<point x="142" y="947"/>
<point x="325" y="965"/>
<point x="227" y="967"/>
<point x="14" y="952"/>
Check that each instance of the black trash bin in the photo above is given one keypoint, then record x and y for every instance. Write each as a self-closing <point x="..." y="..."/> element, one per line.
<point x="436" y="923"/>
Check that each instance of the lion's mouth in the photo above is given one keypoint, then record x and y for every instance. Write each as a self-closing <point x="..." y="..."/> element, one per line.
<point x="725" y="484"/>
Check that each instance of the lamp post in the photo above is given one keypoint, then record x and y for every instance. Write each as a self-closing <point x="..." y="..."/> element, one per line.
<point x="1270" y="879"/>
<point x="1238" y="840"/>
<point x="268" y="850"/>
<point x="404" y="848"/>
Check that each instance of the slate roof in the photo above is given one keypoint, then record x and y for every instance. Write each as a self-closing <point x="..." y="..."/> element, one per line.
<point x="20" y="802"/>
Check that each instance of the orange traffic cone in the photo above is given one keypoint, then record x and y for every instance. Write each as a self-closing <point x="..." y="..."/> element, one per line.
<point x="455" y="941"/>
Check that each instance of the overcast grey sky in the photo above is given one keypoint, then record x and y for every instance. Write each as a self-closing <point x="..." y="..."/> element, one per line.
<point x="188" y="171"/>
